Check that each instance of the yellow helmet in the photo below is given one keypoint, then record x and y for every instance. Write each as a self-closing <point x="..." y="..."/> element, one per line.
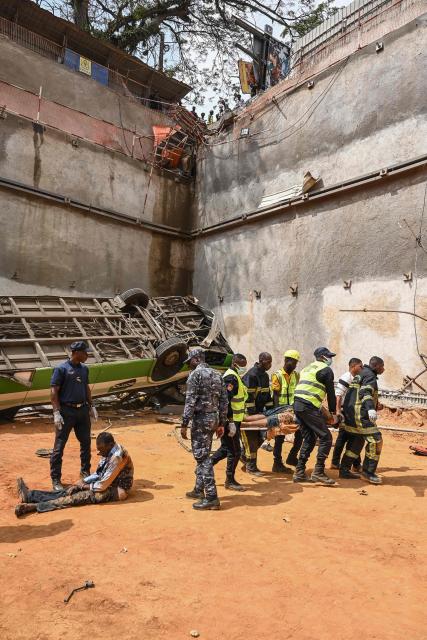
<point x="292" y="353"/>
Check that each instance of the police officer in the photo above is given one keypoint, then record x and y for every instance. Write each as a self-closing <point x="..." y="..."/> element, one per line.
<point x="283" y="384"/>
<point x="206" y="405"/>
<point x="72" y="406"/>
<point x="230" y="442"/>
<point x="257" y="382"/>
<point x="316" y="382"/>
<point x="360" y="415"/>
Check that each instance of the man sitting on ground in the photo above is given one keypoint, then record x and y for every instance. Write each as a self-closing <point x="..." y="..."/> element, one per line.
<point x="112" y="481"/>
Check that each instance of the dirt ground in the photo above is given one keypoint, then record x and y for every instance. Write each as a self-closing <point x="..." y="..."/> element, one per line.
<point x="279" y="561"/>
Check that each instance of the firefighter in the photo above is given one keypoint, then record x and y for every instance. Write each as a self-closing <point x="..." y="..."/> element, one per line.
<point x="316" y="382"/>
<point x="230" y="442"/>
<point x="259" y="399"/>
<point x="360" y="416"/>
<point x="283" y="384"/>
<point x="355" y="366"/>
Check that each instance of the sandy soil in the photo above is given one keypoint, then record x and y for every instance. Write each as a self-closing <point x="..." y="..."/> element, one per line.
<point x="279" y="561"/>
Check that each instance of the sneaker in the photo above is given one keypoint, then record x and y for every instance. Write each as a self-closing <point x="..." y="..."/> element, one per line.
<point x="349" y="475"/>
<point x="207" y="504"/>
<point x="322" y="478"/>
<point x="57" y="485"/>
<point x="22" y="490"/>
<point x="22" y="509"/>
<point x="299" y="476"/>
<point x="372" y="478"/>
<point x="279" y="467"/>
<point x="195" y="494"/>
<point x="233" y="485"/>
<point x="267" y="446"/>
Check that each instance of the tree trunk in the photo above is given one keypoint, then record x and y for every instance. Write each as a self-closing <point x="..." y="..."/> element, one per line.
<point x="80" y="11"/>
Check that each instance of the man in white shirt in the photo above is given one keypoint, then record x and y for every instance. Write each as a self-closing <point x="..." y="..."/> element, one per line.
<point x="355" y="365"/>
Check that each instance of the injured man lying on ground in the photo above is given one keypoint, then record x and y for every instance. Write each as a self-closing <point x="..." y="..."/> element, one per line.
<point x="112" y="481"/>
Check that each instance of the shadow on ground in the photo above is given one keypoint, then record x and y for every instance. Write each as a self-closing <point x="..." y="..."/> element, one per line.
<point x="21" y="532"/>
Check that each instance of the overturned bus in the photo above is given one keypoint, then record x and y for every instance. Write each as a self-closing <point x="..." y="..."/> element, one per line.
<point x="137" y="343"/>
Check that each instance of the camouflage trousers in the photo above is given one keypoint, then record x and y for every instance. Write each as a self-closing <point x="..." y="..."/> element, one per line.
<point x="51" y="500"/>
<point x="202" y="431"/>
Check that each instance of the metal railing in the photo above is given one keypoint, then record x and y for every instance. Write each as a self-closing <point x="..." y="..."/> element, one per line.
<point x="31" y="40"/>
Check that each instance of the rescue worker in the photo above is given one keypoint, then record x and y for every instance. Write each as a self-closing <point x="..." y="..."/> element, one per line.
<point x="316" y="382"/>
<point x="360" y="416"/>
<point x="206" y="406"/>
<point x="230" y="442"/>
<point x="72" y="407"/>
<point x="283" y="384"/>
<point x="355" y="366"/>
<point x="259" y="399"/>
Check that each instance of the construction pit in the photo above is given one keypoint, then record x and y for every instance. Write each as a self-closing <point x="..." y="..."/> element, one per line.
<point x="278" y="561"/>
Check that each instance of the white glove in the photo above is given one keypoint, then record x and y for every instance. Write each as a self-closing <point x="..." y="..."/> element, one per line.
<point x="94" y="413"/>
<point x="372" y="415"/>
<point x="231" y="429"/>
<point x="58" y="420"/>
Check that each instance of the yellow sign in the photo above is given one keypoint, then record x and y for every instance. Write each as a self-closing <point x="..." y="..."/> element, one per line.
<point x="246" y="74"/>
<point x="85" y="66"/>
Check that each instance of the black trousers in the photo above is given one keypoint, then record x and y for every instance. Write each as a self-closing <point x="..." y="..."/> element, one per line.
<point x="342" y="438"/>
<point x="252" y="440"/>
<point x="231" y="449"/>
<point x="313" y="426"/>
<point x="293" y="453"/>
<point x="79" y="420"/>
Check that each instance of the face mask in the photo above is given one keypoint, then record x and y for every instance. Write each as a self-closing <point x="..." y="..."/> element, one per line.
<point x="328" y="361"/>
<point x="241" y="370"/>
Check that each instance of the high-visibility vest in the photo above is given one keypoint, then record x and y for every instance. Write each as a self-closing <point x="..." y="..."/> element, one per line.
<point x="308" y="387"/>
<point x="239" y="400"/>
<point x="287" y="390"/>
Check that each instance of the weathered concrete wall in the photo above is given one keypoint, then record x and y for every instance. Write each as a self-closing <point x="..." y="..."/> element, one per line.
<point x="37" y="234"/>
<point x="365" y="113"/>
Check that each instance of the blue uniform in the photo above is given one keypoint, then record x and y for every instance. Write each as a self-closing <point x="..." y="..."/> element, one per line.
<point x="72" y="380"/>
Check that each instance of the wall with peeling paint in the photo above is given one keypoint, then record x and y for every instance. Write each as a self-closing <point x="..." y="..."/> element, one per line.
<point x="46" y="248"/>
<point x="367" y="112"/>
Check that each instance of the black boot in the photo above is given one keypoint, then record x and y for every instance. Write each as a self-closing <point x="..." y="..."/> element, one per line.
<point x="319" y="475"/>
<point x="299" y="475"/>
<point x="194" y="494"/>
<point x="207" y="504"/>
<point x="279" y="467"/>
<point x="345" y="469"/>
<point x="371" y="477"/>
<point x="233" y="485"/>
<point x="253" y="470"/>
<point x="57" y="485"/>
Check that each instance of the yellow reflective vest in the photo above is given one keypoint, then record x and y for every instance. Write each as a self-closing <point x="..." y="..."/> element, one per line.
<point x="287" y="391"/>
<point x="308" y="387"/>
<point x="238" y="401"/>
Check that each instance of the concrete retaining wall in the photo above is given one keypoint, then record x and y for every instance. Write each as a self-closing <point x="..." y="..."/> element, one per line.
<point x="367" y="112"/>
<point x="89" y="256"/>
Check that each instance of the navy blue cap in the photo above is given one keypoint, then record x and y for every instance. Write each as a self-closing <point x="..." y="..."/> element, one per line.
<point x="323" y="351"/>
<point x="80" y="345"/>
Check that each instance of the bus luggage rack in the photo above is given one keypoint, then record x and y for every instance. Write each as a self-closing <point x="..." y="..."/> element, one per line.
<point x="37" y="331"/>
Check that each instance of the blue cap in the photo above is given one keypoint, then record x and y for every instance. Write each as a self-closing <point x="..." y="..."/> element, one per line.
<point x="323" y="351"/>
<point x="80" y="345"/>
